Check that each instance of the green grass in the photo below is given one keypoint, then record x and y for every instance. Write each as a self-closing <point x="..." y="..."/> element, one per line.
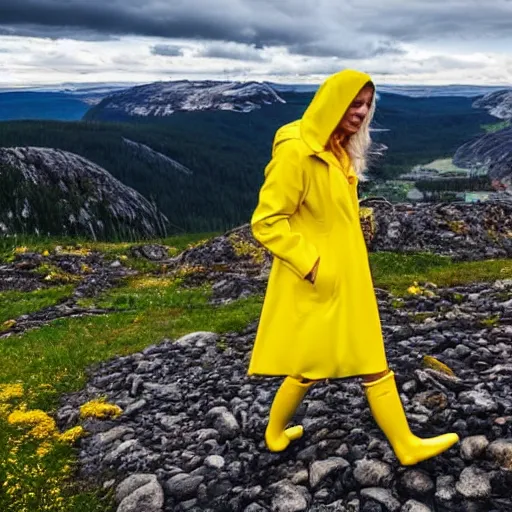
<point x="490" y="128"/>
<point x="111" y="250"/>
<point x="14" y="304"/>
<point x="59" y="353"/>
<point x="396" y="272"/>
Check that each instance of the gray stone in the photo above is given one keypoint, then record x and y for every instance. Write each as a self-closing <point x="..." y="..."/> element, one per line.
<point x="289" y="498"/>
<point x="167" y="391"/>
<point x="353" y="506"/>
<point x="415" y="506"/>
<point x="149" y="498"/>
<point x="183" y="486"/>
<point x="481" y="400"/>
<point x="132" y="483"/>
<point x="372" y="473"/>
<point x="118" y="452"/>
<point x="224" y="422"/>
<point x="112" y="435"/>
<point x="198" y="339"/>
<point x="134" y="407"/>
<point x="383" y="496"/>
<point x="445" y="488"/>
<point x="417" y="482"/>
<point x="473" y="447"/>
<point x="321" y="469"/>
<point x="214" y="461"/>
<point x="171" y="422"/>
<point x="474" y="483"/>
<point x="501" y="452"/>
<point x="206" y="433"/>
<point x="254" y="507"/>
<point x="301" y="477"/>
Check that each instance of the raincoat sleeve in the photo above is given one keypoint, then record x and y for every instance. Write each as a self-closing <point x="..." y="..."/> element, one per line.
<point x="279" y="197"/>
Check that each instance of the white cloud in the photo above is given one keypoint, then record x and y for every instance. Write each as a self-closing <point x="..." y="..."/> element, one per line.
<point x="439" y="41"/>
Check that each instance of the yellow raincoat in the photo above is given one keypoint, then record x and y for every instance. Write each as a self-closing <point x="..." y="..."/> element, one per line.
<point x="308" y="209"/>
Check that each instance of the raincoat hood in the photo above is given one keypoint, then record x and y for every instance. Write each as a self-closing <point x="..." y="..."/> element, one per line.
<point x="329" y="105"/>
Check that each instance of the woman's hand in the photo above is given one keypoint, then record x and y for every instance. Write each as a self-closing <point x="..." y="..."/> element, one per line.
<point x="312" y="274"/>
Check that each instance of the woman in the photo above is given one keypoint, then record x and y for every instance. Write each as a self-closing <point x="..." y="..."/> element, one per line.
<point x="320" y="316"/>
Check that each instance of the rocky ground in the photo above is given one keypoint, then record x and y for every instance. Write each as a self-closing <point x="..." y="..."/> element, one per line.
<point x="88" y="271"/>
<point x="191" y="433"/>
<point x="237" y="265"/>
<point x="462" y="231"/>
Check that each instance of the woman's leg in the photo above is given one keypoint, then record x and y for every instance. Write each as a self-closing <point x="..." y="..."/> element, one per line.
<point x="386" y="407"/>
<point x="288" y="397"/>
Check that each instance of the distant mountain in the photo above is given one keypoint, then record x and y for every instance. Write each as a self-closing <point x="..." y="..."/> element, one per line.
<point x="73" y="101"/>
<point x="413" y="91"/>
<point x="49" y="191"/>
<point x="498" y="103"/>
<point x="433" y="91"/>
<point x="492" y="152"/>
<point x="77" y="88"/>
<point x="161" y="99"/>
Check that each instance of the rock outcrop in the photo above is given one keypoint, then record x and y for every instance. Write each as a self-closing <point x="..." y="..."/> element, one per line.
<point x="53" y="192"/>
<point x="498" y="103"/>
<point x="491" y="152"/>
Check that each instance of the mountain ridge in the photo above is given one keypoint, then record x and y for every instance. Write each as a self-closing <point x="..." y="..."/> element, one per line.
<point x="47" y="190"/>
<point x="498" y="103"/>
<point x="161" y="99"/>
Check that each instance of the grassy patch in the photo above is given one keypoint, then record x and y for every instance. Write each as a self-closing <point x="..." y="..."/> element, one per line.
<point x="490" y="128"/>
<point x="14" y="304"/>
<point x="396" y="272"/>
<point x="111" y="250"/>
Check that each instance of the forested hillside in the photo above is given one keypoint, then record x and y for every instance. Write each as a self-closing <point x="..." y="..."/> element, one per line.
<point x="226" y="151"/>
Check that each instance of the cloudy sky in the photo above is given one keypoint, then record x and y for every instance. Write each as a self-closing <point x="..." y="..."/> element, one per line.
<point x="293" y="41"/>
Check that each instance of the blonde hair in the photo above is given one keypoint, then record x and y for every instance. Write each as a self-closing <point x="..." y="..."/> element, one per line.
<point x="358" y="144"/>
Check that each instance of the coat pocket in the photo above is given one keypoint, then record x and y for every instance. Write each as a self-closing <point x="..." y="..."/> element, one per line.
<point x="309" y="295"/>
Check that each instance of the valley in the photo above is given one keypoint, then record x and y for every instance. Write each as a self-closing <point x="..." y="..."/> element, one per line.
<point x="202" y="168"/>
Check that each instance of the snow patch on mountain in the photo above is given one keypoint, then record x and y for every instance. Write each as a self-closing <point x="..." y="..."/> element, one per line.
<point x="162" y="99"/>
<point x="498" y="103"/>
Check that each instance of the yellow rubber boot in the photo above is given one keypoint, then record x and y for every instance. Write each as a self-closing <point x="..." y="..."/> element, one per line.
<point x="389" y="414"/>
<point x="287" y="399"/>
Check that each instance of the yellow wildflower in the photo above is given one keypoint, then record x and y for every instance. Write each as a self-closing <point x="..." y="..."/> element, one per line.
<point x="9" y="391"/>
<point x="21" y="250"/>
<point x="5" y="409"/>
<point x="123" y="257"/>
<point x="99" y="409"/>
<point x="46" y="253"/>
<point x="414" y="290"/>
<point x="44" y="449"/>
<point x="43" y="425"/>
<point x="51" y="276"/>
<point x="71" y="435"/>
